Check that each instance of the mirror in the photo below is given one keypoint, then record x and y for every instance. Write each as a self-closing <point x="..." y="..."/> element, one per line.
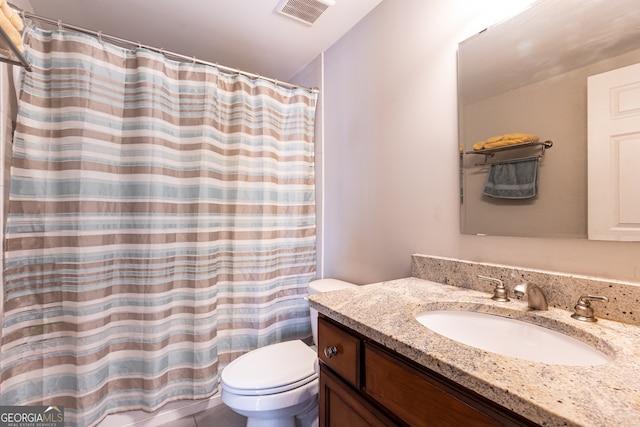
<point x="529" y="75"/>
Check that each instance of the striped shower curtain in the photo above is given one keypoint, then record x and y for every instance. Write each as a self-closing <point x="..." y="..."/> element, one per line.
<point x="161" y="223"/>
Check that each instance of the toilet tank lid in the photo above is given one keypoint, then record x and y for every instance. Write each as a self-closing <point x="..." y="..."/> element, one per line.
<point x="326" y="285"/>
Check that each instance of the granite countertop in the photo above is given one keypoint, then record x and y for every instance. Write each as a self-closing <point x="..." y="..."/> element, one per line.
<point x="550" y="395"/>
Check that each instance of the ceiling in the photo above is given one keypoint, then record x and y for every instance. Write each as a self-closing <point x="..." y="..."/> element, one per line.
<point x="550" y="38"/>
<point x="244" y="34"/>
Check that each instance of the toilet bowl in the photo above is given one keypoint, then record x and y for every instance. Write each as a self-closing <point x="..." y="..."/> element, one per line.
<point x="275" y="384"/>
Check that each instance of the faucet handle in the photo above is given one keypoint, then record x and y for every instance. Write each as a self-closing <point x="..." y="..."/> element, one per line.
<point x="583" y="310"/>
<point x="500" y="293"/>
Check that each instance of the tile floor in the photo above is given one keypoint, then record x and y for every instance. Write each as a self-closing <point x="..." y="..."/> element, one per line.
<point x="220" y="416"/>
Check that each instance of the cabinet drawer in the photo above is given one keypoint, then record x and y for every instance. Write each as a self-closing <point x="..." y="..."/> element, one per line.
<point x="339" y="350"/>
<point x="414" y="397"/>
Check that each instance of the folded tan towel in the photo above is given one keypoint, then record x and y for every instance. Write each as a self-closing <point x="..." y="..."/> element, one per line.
<point x="12" y="24"/>
<point x="504" y="140"/>
<point x="511" y="141"/>
<point x="479" y="145"/>
<point x="12" y="15"/>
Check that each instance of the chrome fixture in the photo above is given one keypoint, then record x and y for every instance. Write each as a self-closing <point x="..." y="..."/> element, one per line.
<point x="535" y="296"/>
<point x="583" y="309"/>
<point x="331" y="351"/>
<point x="500" y="292"/>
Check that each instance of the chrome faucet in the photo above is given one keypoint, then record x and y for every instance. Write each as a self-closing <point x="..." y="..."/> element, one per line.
<point x="535" y="296"/>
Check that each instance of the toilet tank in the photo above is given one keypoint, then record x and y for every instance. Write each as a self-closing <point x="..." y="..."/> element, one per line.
<point x="323" y="285"/>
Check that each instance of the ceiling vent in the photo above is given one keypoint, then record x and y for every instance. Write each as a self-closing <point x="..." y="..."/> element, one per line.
<point x="307" y="11"/>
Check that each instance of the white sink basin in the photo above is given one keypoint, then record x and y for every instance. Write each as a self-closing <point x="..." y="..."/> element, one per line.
<point x="510" y="337"/>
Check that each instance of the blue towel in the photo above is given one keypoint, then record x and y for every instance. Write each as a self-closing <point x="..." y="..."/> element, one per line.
<point x="517" y="179"/>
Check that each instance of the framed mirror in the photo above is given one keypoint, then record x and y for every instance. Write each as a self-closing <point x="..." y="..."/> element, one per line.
<point x="529" y="75"/>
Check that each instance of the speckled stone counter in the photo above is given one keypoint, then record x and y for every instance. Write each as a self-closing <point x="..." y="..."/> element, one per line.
<point x="550" y="395"/>
<point x="562" y="290"/>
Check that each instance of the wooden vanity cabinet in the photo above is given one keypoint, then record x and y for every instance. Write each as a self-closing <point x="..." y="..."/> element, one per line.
<point x="364" y="384"/>
<point x="342" y="406"/>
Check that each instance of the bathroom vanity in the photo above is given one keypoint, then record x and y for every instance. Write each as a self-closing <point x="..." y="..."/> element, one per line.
<point x="362" y="383"/>
<point x="381" y="367"/>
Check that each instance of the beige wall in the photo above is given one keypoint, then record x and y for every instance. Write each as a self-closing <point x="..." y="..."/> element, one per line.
<point x="391" y="155"/>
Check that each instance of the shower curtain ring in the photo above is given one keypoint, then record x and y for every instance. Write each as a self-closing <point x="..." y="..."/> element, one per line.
<point x="59" y="25"/>
<point x="100" y="35"/>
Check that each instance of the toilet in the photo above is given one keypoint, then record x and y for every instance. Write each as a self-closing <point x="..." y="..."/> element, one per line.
<point x="275" y="385"/>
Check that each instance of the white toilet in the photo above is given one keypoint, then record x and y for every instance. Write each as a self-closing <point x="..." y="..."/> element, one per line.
<point x="274" y="385"/>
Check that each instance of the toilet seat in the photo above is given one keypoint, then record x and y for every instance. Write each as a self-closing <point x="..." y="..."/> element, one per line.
<point x="272" y="369"/>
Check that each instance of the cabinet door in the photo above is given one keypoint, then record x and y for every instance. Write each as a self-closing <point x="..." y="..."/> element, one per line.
<point x="422" y="400"/>
<point x="341" y="406"/>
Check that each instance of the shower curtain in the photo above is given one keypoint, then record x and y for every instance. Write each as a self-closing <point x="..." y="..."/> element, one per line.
<point x="161" y="223"/>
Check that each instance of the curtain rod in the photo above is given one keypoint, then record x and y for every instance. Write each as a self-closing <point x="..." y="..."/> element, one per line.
<point x="184" y="58"/>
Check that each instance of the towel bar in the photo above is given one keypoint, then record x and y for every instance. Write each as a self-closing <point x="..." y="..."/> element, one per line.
<point x="490" y="152"/>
